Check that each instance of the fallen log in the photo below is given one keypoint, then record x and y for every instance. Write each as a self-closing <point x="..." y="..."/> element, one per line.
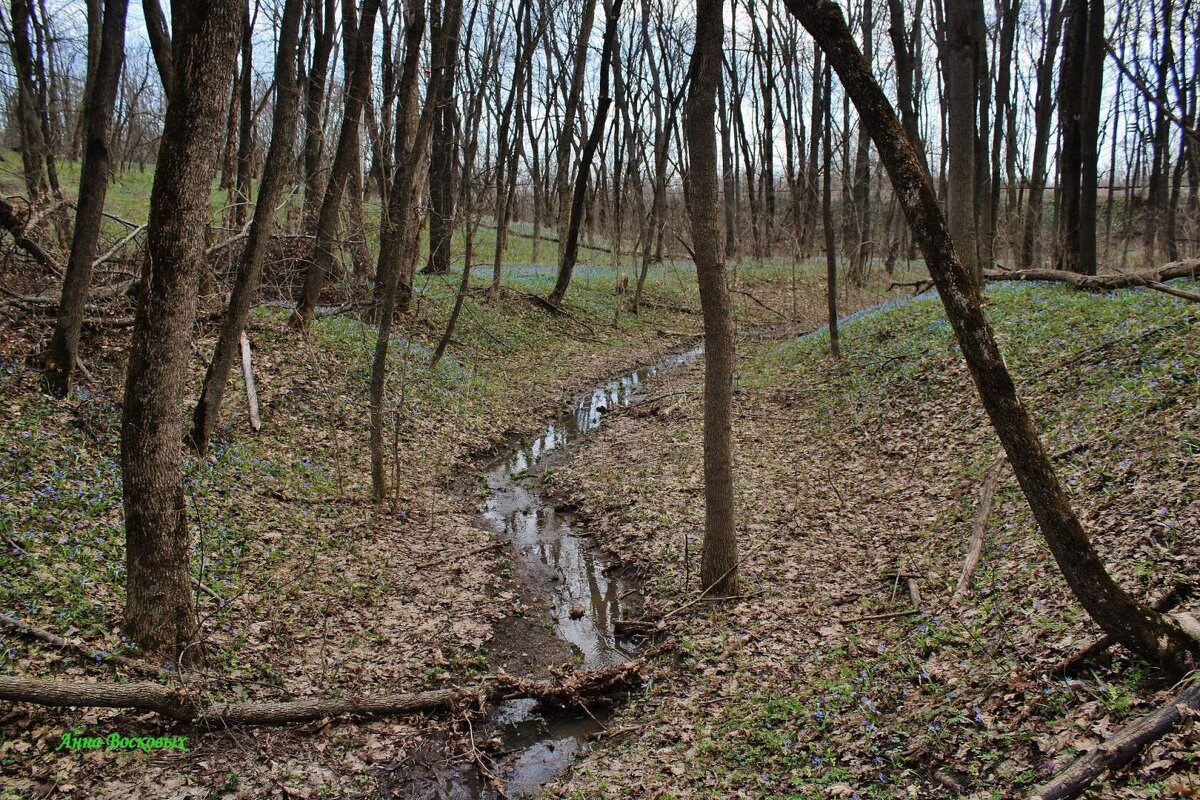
<point x="248" y="378"/>
<point x="978" y="529"/>
<point x="562" y="691"/>
<point x="1153" y="279"/>
<point x="917" y="286"/>
<point x="1122" y="747"/>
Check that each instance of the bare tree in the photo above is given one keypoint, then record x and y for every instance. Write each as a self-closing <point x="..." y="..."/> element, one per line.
<point x="570" y="248"/>
<point x="63" y="350"/>
<point x="1079" y="109"/>
<point x="441" y="167"/>
<point x="1042" y="116"/>
<point x="159" y="608"/>
<point x="718" y="571"/>
<point x="1155" y="636"/>
<point x="270" y="192"/>
<point x="566" y="136"/>
<point x="960" y="50"/>
<point x="408" y="165"/>
<point x="360" y="34"/>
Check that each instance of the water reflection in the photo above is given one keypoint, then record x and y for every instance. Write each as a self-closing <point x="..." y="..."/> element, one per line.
<point x="584" y="602"/>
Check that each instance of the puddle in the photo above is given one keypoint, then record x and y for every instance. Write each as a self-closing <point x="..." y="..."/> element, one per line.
<point x="554" y="555"/>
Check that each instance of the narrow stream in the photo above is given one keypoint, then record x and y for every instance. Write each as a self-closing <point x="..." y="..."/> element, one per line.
<point x="553" y="553"/>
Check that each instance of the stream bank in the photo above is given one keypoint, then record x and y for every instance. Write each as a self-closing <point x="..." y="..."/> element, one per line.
<point x="579" y="593"/>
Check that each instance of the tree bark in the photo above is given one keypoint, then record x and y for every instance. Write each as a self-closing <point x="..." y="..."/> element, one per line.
<point x="718" y="570"/>
<point x="1156" y="637"/>
<point x="173" y="703"/>
<point x="33" y="144"/>
<point x="566" y="136"/>
<point x="324" y="23"/>
<point x="270" y="192"/>
<point x="159" y="609"/>
<point x="245" y="131"/>
<point x="415" y="129"/>
<point x="1122" y="747"/>
<point x="1079" y="110"/>
<point x="827" y="214"/>
<point x="63" y="350"/>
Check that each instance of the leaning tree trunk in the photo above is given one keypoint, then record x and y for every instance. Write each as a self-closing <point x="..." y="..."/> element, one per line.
<point x="63" y="351"/>
<point x="570" y="247"/>
<point x="1152" y="635"/>
<point x="160" y="613"/>
<point x="275" y="179"/>
<point x="158" y="30"/>
<point x="566" y="136"/>
<point x="718" y="570"/>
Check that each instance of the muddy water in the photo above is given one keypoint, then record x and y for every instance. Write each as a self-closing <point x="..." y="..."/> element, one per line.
<point x="554" y="555"/>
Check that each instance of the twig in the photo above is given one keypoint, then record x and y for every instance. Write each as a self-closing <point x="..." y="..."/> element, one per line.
<point x="461" y="556"/>
<point x="979" y="528"/>
<point x="875" y="617"/>
<point x="143" y="667"/>
<point x="116" y="248"/>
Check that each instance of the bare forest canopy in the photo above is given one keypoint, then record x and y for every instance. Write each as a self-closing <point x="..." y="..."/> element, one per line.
<point x="1138" y="137"/>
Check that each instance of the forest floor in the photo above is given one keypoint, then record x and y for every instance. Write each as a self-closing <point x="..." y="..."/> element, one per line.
<point x="852" y="475"/>
<point x="309" y="589"/>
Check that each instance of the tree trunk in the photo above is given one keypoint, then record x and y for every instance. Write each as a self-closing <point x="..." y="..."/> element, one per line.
<point x="33" y="144"/>
<point x="160" y="611"/>
<point x="570" y="250"/>
<point x="407" y="168"/>
<point x="324" y="24"/>
<point x="441" y="165"/>
<point x="1042" y="116"/>
<point x="718" y="571"/>
<point x="344" y="160"/>
<point x="245" y="148"/>
<point x="270" y="192"/>
<point x="63" y="350"/>
<point x="566" y="136"/>
<point x="827" y="215"/>
<point x="1079" y="109"/>
<point x="959" y="49"/>
<point x="158" y="30"/>
<point x="1154" y="636"/>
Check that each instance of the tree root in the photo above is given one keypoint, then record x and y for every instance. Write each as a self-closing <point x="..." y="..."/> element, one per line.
<point x="561" y="691"/>
<point x="1165" y="603"/>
